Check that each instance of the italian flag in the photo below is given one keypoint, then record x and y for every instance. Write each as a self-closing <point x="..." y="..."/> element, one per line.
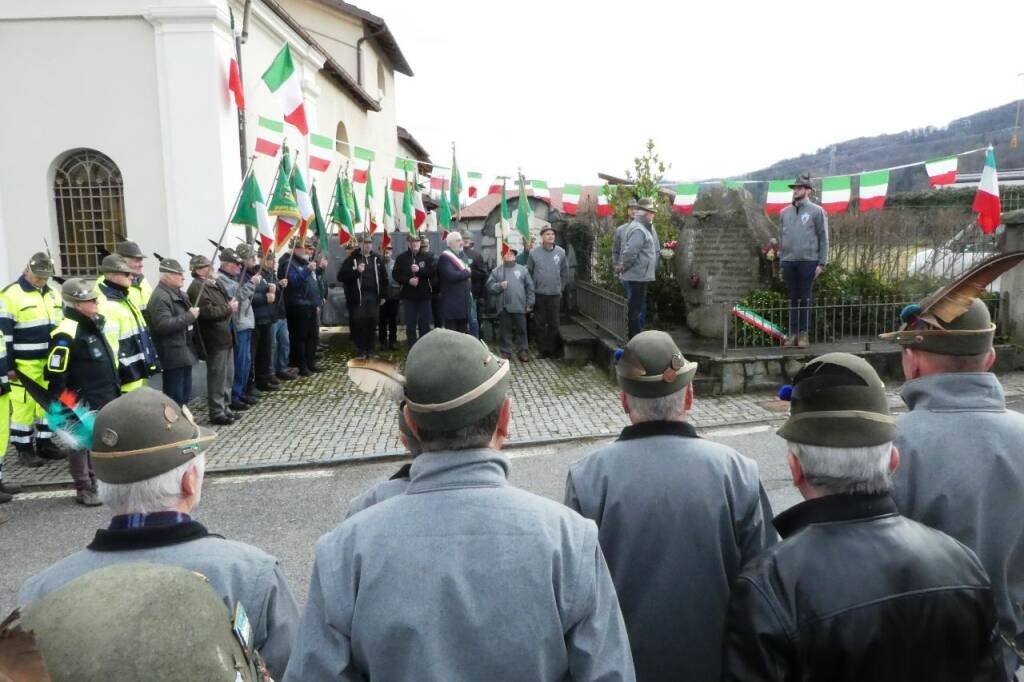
<point x="406" y="166"/>
<point x="686" y="197"/>
<point x="444" y="215"/>
<point x="941" y="171"/>
<point x="873" y="187"/>
<point x="504" y="222"/>
<point x="571" y="198"/>
<point x="321" y="151"/>
<point x="371" y="214"/>
<point x="362" y="158"/>
<point x="780" y="195"/>
<point x="408" y="213"/>
<point x="419" y="211"/>
<point x="540" y="190"/>
<point x="475" y="180"/>
<point x="835" y="193"/>
<point x="269" y="134"/>
<point x="284" y="81"/>
<point x="389" y="215"/>
<point x="252" y="210"/>
<point x="986" y="201"/>
<point x="604" y="208"/>
<point x="758" y="322"/>
<point x="340" y="215"/>
<point x="302" y="200"/>
<point x="282" y="205"/>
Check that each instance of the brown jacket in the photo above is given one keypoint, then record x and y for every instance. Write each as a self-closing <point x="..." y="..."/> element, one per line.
<point x="214" y="315"/>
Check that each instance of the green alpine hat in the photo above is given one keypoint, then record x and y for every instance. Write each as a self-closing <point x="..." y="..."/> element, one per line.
<point x="228" y="255"/>
<point x="129" y="249"/>
<point x="78" y="290"/>
<point x="41" y="265"/>
<point x="134" y="621"/>
<point x="646" y="204"/>
<point x="452" y="380"/>
<point x="652" y="366"/>
<point x="171" y="265"/>
<point x="115" y="264"/>
<point x="803" y="180"/>
<point x="197" y="262"/>
<point x="144" y="434"/>
<point x="244" y="251"/>
<point x="837" y="400"/>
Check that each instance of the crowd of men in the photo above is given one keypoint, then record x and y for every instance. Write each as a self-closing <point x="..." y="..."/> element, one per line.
<point x="663" y="563"/>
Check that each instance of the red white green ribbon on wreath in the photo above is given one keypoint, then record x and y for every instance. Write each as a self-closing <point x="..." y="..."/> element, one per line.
<point x="758" y="322"/>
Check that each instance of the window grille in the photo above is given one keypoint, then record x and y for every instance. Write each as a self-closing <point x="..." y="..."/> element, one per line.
<point x="89" y="193"/>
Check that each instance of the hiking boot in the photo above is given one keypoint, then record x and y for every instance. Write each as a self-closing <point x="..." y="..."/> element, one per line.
<point x="269" y="387"/>
<point x="305" y="372"/>
<point x="10" y="488"/>
<point x="285" y="376"/>
<point x="30" y="459"/>
<point x="46" y="449"/>
<point x="249" y="399"/>
<point x="238" y="406"/>
<point x="254" y="391"/>
<point x="87" y="498"/>
<point x="802" y="340"/>
<point x="524" y="356"/>
<point x="222" y="420"/>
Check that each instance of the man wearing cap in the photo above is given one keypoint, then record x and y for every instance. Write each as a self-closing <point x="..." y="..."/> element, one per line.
<point x="639" y="261"/>
<point x="365" y="279"/>
<point x="512" y="285"/>
<point x="82" y="360"/>
<point x="148" y="456"/>
<point x="962" y="449"/>
<point x="30" y="309"/>
<point x="619" y="237"/>
<point x="140" y="291"/>
<point x="677" y="515"/>
<point x="302" y="298"/>
<point x="172" y="321"/>
<point x="549" y="269"/>
<point x="856" y="591"/>
<point x="217" y="338"/>
<point x="239" y="288"/>
<point x="125" y="325"/>
<point x="387" y="327"/>
<point x="803" y="250"/>
<point x="455" y="276"/>
<point x="463" y="577"/>
<point x="477" y="280"/>
<point x="267" y="309"/>
<point x="414" y="270"/>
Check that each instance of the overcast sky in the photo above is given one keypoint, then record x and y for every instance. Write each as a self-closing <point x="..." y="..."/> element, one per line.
<point x="567" y="89"/>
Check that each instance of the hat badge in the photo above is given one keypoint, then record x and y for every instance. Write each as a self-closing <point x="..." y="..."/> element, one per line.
<point x="109" y="437"/>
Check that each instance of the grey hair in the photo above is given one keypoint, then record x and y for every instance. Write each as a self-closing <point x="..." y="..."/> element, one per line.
<point x="671" y="406"/>
<point x="845" y="470"/>
<point x="452" y="236"/>
<point x="474" y="436"/>
<point x="160" y="493"/>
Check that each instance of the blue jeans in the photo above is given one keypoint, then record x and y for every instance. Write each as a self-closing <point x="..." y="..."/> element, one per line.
<point x="798" y="275"/>
<point x="279" y="338"/>
<point x="474" y="322"/>
<point x="418" y="315"/>
<point x="178" y="384"/>
<point x="637" y="307"/>
<point x="626" y="287"/>
<point x="243" y="363"/>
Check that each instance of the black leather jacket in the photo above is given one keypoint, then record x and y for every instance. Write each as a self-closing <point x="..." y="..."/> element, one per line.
<point x="858" y="592"/>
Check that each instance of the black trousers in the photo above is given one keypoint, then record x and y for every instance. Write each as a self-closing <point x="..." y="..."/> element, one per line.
<point x="546" y="312"/>
<point x="263" y="369"/>
<point x="457" y="325"/>
<point x="387" y="326"/>
<point x="302" y="335"/>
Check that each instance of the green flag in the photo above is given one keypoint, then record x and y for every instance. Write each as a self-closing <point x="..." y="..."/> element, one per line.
<point x="407" y="208"/>
<point x="523" y="212"/>
<point x="350" y="201"/>
<point x="282" y="203"/>
<point x="444" y="213"/>
<point x="455" y="191"/>
<point x="340" y="215"/>
<point x="252" y="210"/>
<point x="318" y="223"/>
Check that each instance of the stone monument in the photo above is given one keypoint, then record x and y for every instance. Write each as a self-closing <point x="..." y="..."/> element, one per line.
<point x="721" y="256"/>
<point x="1011" y="322"/>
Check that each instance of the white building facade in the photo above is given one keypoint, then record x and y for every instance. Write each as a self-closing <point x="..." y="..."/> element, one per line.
<point x="117" y="123"/>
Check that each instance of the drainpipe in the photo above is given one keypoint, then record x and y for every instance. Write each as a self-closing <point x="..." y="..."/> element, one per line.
<point x="359" y="53"/>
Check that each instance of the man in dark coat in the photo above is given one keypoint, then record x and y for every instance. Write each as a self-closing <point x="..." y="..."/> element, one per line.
<point x="479" y="272"/>
<point x="415" y="270"/>
<point x="218" y="339"/>
<point x="677" y="516"/>
<point x="455" y="278"/>
<point x="855" y="591"/>
<point x="172" y="320"/>
<point x="387" y="327"/>
<point x="266" y="309"/>
<point x="302" y="298"/>
<point x="364" y="278"/>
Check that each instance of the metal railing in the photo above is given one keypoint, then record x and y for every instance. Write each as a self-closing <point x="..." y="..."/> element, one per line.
<point x="603" y="308"/>
<point x="829" y="321"/>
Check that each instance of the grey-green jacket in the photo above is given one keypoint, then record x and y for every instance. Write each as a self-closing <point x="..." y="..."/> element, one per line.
<point x="549" y="269"/>
<point x="962" y="472"/>
<point x="519" y="295"/>
<point x="462" y="577"/>
<point x="244" y="318"/>
<point x="804" y="234"/>
<point x="639" y="258"/>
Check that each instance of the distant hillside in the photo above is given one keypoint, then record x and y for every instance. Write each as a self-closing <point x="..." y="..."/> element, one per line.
<point x="994" y="126"/>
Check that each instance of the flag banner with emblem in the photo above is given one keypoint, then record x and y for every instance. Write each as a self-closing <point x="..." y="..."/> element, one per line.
<point x="319" y="226"/>
<point x="873" y="187"/>
<point x="758" y="322"/>
<point x="455" y="186"/>
<point x="540" y="190"/>
<point x="444" y="215"/>
<point x="350" y="201"/>
<point x="686" y="197"/>
<point x="371" y="213"/>
<point x="361" y="160"/>
<point x="780" y="195"/>
<point x="252" y="210"/>
<point x="604" y="207"/>
<point x="284" y="80"/>
<point x="941" y="171"/>
<point x="321" y="151"/>
<point x="835" y="194"/>
<point x="523" y="211"/>
<point x="475" y="180"/>
<point x="282" y="204"/>
<point x="269" y="134"/>
<point x="986" y="201"/>
<point x="302" y="200"/>
<point x="571" y="198"/>
<point x="388" y="218"/>
<point x="405" y="167"/>
<point x="408" y="212"/>
<point x="340" y="215"/>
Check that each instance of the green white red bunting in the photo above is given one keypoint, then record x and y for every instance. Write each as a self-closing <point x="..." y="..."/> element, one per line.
<point x="284" y="80"/>
<point x="941" y="171"/>
<point x="780" y="195"/>
<point x="986" y="201"/>
<point x="269" y="134"/>
<point x="604" y="207"/>
<point x="873" y="187"/>
<point x="321" y="151"/>
<point x="440" y="179"/>
<point x="540" y="190"/>
<point x="686" y="197"/>
<point x="835" y="193"/>
<point x="361" y="160"/>
<point x="475" y="180"/>
<point x="496" y="185"/>
<point x="571" y="198"/>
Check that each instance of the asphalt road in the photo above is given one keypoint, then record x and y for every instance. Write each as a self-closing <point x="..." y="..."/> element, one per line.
<point x="285" y="512"/>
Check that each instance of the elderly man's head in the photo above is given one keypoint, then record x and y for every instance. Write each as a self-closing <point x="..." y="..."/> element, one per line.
<point x="840" y="430"/>
<point x="454" y="242"/>
<point x="655" y="378"/>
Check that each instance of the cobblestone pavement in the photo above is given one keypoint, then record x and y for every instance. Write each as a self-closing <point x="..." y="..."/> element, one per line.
<point x="324" y="419"/>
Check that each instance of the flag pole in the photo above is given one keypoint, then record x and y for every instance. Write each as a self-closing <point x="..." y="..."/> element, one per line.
<point x="242" y="145"/>
<point x="291" y="251"/>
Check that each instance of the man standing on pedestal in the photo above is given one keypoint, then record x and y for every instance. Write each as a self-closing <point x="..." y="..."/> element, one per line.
<point x="804" y="252"/>
<point x="549" y="269"/>
<point x="415" y="270"/>
<point x="639" y="262"/>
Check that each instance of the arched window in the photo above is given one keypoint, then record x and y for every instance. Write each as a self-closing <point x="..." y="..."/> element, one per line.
<point x="341" y="141"/>
<point x="89" y="193"/>
<point x="382" y="80"/>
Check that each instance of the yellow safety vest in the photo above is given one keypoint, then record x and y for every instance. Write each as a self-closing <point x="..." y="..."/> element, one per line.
<point x="27" y="316"/>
